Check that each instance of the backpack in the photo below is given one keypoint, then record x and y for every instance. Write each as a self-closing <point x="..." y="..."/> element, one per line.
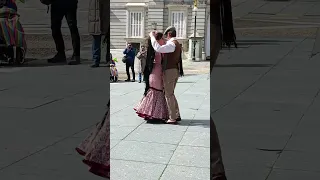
<point x="47" y="2"/>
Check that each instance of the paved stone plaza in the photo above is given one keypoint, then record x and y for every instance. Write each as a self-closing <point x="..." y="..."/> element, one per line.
<point x="160" y="151"/>
<point x="265" y="104"/>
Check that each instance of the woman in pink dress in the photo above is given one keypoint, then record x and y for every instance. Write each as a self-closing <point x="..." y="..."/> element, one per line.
<point x="153" y="105"/>
<point x="96" y="148"/>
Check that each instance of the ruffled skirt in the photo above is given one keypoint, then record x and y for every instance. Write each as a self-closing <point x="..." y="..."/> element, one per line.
<point x="153" y="106"/>
<point x="96" y="149"/>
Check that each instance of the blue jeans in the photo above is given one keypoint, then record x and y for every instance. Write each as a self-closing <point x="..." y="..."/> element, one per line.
<point x="140" y="77"/>
<point x="96" y="49"/>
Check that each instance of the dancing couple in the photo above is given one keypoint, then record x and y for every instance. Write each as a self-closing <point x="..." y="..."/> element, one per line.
<point x="161" y="73"/>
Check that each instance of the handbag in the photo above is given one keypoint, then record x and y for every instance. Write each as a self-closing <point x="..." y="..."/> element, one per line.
<point x="124" y="59"/>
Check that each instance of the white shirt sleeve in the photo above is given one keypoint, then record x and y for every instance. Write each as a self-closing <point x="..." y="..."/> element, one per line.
<point x="167" y="48"/>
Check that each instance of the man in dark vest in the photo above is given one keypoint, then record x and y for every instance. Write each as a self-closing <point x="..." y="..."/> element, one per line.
<point x="171" y="64"/>
<point x="222" y="33"/>
<point x="59" y="10"/>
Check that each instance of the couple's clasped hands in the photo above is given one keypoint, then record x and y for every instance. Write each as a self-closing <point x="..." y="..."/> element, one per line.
<point x="152" y="33"/>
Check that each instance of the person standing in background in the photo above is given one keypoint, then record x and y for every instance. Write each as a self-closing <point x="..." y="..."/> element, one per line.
<point x="98" y="26"/>
<point x="222" y="33"/>
<point x="59" y="10"/>
<point x="142" y="56"/>
<point x="130" y="54"/>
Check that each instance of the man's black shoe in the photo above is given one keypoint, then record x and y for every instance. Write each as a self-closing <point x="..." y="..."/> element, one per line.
<point x="74" y="63"/>
<point x="75" y="60"/>
<point x="127" y="80"/>
<point x="94" y="65"/>
<point x="58" y="58"/>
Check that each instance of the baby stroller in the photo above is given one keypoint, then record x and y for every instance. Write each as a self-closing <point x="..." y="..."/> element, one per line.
<point x="113" y="70"/>
<point x="12" y="38"/>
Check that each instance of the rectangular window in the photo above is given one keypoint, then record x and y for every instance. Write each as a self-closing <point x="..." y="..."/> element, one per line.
<point x="178" y="21"/>
<point x="135" y="24"/>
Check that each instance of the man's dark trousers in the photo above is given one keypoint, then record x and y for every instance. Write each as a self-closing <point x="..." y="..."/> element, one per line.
<point x="129" y="65"/>
<point x="67" y="9"/>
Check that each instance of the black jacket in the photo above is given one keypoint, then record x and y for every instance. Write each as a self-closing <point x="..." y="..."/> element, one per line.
<point x="64" y="3"/>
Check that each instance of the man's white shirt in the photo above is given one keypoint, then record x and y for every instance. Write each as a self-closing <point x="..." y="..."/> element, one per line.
<point x="169" y="47"/>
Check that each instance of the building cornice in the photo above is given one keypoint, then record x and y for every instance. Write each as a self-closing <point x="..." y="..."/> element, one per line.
<point x="185" y="6"/>
<point x="132" y="5"/>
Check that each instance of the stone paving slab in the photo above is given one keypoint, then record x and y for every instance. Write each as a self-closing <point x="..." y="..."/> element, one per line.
<point x="261" y="9"/>
<point x="174" y="172"/>
<point x="272" y="8"/>
<point x="300" y="161"/>
<point x="298" y="9"/>
<point x="280" y="174"/>
<point x="246" y="7"/>
<point x="39" y="143"/>
<point x="243" y="172"/>
<point x="316" y="47"/>
<point x="128" y="170"/>
<point x="166" y="148"/>
<point x="314" y="11"/>
<point x="191" y="156"/>
<point x="64" y="164"/>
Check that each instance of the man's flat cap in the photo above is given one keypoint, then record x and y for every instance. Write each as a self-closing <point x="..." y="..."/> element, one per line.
<point x="170" y="28"/>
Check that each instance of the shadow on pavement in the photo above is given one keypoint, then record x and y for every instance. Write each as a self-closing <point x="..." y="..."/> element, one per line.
<point x="242" y="65"/>
<point x="186" y="82"/>
<point x="186" y="122"/>
<point x="256" y="43"/>
<point x="247" y="43"/>
<point x="123" y="81"/>
<point x="259" y="42"/>
<point x="262" y="41"/>
<point x="197" y="122"/>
